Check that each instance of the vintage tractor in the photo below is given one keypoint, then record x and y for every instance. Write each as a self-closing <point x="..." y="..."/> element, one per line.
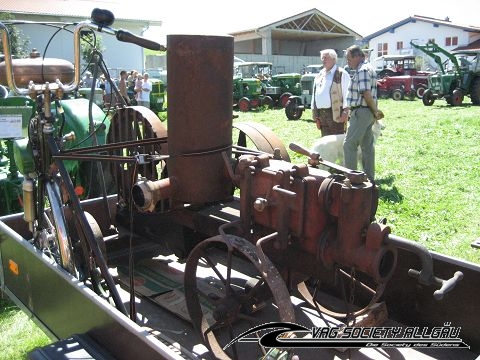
<point x="157" y="95"/>
<point x="458" y="76"/>
<point x="247" y="94"/>
<point x="227" y="238"/>
<point x="397" y="87"/>
<point x="282" y="86"/>
<point x="398" y="65"/>
<point x="296" y="104"/>
<point x="277" y="87"/>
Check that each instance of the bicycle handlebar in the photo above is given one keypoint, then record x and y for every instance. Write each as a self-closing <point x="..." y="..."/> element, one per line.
<point x="100" y="22"/>
<point x="126" y="36"/>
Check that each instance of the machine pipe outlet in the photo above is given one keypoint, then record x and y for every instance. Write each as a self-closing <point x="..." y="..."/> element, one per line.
<point x="146" y="194"/>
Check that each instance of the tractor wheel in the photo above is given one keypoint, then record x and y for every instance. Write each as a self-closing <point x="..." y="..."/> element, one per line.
<point x="382" y="94"/>
<point x="284" y="99"/>
<point x="475" y="91"/>
<point x="3" y="92"/>
<point x="292" y="110"/>
<point x="457" y="97"/>
<point x="267" y="101"/>
<point x="244" y="104"/>
<point x="420" y="91"/>
<point x="397" y="94"/>
<point x="428" y="98"/>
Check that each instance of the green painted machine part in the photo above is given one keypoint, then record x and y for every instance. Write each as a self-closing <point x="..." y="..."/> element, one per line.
<point x="15" y="115"/>
<point x="76" y="113"/>
<point x="157" y="95"/>
<point x="16" y="156"/>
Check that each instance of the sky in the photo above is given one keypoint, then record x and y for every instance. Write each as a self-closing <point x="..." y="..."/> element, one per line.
<point x="220" y="17"/>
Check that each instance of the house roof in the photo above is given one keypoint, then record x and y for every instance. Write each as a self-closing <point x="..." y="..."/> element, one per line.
<point x="415" y="18"/>
<point x="311" y="24"/>
<point x="78" y="9"/>
<point x="474" y="46"/>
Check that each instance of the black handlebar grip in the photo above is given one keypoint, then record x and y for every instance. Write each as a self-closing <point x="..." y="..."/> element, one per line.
<point x="126" y="36"/>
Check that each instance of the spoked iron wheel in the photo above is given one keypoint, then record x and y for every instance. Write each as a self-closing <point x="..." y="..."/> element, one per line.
<point x="230" y="290"/>
<point x="72" y="246"/>
<point x="134" y="126"/>
<point x="357" y="293"/>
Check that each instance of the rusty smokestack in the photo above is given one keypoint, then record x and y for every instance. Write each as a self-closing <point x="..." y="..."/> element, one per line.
<point x="200" y="86"/>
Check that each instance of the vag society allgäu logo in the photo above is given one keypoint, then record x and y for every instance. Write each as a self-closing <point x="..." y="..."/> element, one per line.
<point x="290" y="335"/>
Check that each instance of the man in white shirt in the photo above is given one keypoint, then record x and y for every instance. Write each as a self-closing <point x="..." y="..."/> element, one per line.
<point x="329" y="101"/>
<point x="144" y="95"/>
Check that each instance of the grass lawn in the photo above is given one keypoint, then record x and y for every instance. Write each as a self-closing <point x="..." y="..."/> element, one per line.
<point x="427" y="167"/>
<point x="19" y="334"/>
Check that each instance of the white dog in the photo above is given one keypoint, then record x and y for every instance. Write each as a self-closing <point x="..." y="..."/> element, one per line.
<point x="330" y="147"/>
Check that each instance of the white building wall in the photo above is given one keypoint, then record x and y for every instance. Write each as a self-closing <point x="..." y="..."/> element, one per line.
<point x="420" y="33"/>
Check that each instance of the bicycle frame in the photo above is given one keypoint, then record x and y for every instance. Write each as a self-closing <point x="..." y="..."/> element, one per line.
<point x="82" y="256"/>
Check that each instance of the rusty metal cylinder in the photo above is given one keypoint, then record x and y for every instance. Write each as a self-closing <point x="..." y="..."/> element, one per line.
<point x="146" y="194"/>
<point x="200" y="90"/>
<point x="39" y="70"/>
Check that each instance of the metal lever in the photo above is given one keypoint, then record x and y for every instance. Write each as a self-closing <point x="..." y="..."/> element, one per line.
<point x="425" y="276"/>
<point x="355" y="177"/>
<point x="445" y="285"/>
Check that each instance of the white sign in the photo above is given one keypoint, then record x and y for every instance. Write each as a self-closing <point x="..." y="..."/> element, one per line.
<point x="10" y="126"/>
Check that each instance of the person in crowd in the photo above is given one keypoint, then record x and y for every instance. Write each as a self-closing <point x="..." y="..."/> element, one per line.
<point x="122" y="86"/>
<point x="131" y="81"/>
<point x="363" y="107"/>
<point x="329" y="101"/>
<point x="87" y="80"/>
<point x="138" y="86"/>
<point x="144" y="95"/>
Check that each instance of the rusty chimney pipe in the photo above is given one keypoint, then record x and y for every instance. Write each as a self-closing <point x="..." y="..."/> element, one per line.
<point x="200" y="91"/>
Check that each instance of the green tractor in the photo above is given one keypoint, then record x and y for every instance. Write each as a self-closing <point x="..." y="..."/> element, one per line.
<point x="16" y="155"/>
<point x="296" y="104"/>
<point x="247" y="94"/>
<point x="458" y="76"/>
<point x="276" y="89"/>
<point x="157" y="95"/>
<point x="282" y="86"/>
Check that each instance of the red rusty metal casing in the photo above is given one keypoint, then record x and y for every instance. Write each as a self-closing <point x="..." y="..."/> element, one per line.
<point x="200" y="74"/>
<point x="359" y="242"/>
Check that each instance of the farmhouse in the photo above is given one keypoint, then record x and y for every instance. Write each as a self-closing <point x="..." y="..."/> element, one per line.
<point x="395" y="39"/>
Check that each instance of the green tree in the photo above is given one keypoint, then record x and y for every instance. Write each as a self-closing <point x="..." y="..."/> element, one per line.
<point x="90" y="41"/>
<point x="19" y="43"/>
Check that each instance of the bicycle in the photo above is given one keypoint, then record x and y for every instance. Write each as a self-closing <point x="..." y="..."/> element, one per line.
<point x="64" y="231"/>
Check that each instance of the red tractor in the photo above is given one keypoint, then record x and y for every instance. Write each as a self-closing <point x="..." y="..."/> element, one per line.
<point x="399" y="87"/>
